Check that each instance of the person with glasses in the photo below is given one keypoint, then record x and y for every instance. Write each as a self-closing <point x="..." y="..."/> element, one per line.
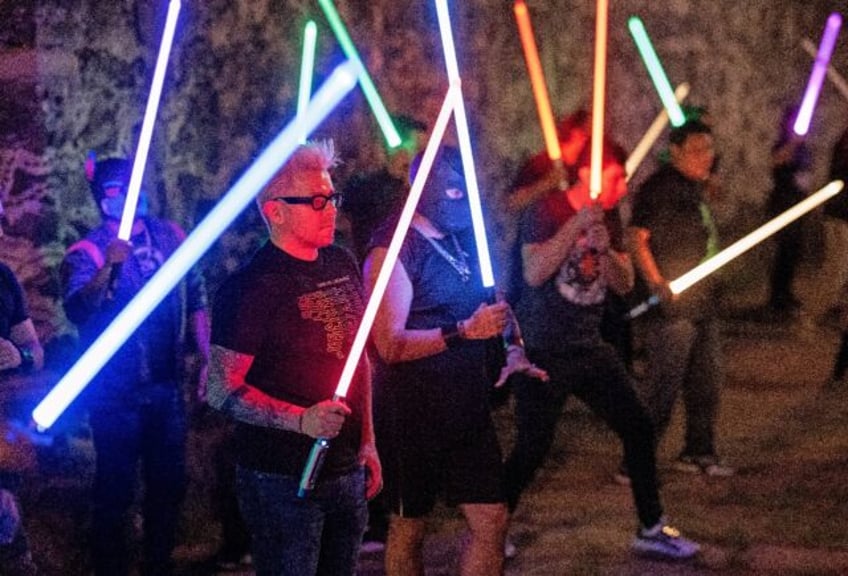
<point x="282" y="327"/>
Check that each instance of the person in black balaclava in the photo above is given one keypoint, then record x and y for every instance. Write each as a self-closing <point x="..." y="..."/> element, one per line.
<point x="437" y="437"/>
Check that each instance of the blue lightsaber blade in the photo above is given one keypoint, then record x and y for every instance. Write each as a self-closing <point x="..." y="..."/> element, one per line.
<point x="153" y="99"/>
<point x="340" y="82"/>
<point x="465" y="148"/>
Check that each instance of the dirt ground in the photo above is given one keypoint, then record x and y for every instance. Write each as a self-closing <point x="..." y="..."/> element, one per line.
<point x="783" y="513"/>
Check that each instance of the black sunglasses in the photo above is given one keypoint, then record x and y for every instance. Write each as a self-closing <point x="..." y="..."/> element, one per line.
<point x="318" y="201"/>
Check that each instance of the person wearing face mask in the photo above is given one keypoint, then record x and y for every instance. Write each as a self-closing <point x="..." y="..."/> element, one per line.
<point x="431" y="331"/>
<point x="135" y="403"/>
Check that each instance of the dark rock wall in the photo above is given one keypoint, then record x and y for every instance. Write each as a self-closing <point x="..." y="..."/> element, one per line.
<point x="74" y="76"/>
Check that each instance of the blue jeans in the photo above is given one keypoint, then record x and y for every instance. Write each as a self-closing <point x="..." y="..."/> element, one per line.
<point x="292" y="536"/>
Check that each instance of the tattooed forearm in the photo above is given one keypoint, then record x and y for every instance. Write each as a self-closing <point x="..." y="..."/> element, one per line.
<point x="228" y="391"/>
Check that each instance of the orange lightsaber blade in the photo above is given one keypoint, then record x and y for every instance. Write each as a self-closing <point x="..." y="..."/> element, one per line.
<point x="537" y="82"/>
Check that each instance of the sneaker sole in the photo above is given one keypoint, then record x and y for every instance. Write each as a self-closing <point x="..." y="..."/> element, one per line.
<point x="655" y="555"/>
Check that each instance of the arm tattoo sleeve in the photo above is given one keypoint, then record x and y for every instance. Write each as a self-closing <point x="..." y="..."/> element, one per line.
<point x="231" y="394"/>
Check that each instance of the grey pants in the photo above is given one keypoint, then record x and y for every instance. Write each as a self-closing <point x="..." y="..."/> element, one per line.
<point x="683" y="356"/>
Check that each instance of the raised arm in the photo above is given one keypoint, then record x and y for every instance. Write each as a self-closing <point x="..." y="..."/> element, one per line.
<point x="542" y="260"/>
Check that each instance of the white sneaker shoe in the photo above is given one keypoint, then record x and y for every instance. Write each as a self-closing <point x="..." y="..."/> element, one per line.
<point x="510" y="549"/>
<point x="664" y="542"/>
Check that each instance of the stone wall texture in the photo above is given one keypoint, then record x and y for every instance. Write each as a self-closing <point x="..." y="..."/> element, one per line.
<point x="74" y="76"/>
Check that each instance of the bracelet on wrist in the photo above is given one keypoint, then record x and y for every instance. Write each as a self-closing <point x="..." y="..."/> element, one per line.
<point x="510" y="348"/>
<point x="452" y="334"/>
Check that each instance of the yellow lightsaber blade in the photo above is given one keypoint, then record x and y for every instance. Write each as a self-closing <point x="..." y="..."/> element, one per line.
<point x="654" y="130"/>
<point x="742" y="245"/>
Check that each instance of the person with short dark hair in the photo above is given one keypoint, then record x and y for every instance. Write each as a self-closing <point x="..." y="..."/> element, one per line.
<point x="374" y="197"/>
<point x="282" y="328"/>
<point x="136" y="402"/>
<point x="572" y="256"/>
<point x="670" y="232"/>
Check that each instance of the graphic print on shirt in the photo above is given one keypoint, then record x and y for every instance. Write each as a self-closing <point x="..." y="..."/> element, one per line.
<point x="336" y="305"/>
<point x="148" y="256"/>
<point x="579" y="280"/>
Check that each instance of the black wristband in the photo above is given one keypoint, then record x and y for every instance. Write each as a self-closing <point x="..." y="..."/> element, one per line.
<point x="451" y="334"/>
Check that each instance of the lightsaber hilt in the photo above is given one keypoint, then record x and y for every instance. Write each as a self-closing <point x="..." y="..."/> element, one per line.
<point x="559" y="168"/>
<point x="637" y="311"/>
<point x="114" y="275"/>
<point x="314" y="462"/>
<point x="313" y="466"/>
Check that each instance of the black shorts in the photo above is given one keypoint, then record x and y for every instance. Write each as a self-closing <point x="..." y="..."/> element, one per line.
<point x="463" y="467"/>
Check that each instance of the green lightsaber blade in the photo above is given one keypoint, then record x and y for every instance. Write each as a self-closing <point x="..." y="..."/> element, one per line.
<point x="655" y="69"/>
<point x="377" y="107"/>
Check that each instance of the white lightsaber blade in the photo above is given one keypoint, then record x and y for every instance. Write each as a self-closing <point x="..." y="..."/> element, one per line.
<point x="396" y="243"/>
<point x="652" y="134"/>
<point x="319" y="448"/>
<point x="599" y="99"/>
<point x="143" y="148"/>
<point x="342" y="81"/>
<point x="464" y="137"/>
<point x="744" y="244"/>
<point x="747" y="242"/>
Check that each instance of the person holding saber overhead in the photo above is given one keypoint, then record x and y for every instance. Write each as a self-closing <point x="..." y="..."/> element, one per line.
<point x="282" y="328"/>
<point x="670" y="232"/>
<point x="136" y="402"/>
<point x="572" y="256"/>
<point x="432" y="331"/>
